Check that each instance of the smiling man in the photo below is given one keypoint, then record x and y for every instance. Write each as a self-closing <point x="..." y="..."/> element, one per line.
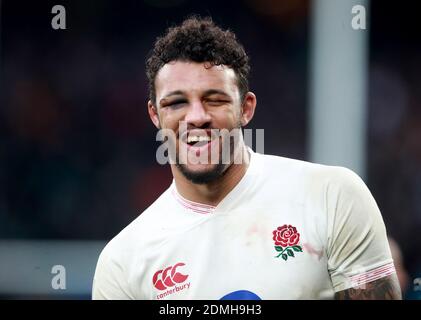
<point x="206" y="99"/>
<point x="239" y="224"/>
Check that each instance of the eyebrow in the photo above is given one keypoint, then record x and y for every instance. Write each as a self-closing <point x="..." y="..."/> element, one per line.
<point x="172" y="93"/>
<point x="207" y="93"/>
<point x="215" y="91"/>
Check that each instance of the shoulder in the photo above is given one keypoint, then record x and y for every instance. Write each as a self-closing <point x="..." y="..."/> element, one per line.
<point x="128" y="247"/>
<point x="313" y="174"/>
<point x="137" y="233"/>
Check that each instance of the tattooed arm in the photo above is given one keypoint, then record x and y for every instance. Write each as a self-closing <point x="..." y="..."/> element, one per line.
<point x="386" y="288"/>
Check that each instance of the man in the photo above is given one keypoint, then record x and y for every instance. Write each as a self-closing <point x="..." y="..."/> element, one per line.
<point x="253" y="226"/>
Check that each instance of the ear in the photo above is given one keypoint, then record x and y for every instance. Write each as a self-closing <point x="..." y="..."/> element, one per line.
<point x="153" y="114"/>
<point x="247" y="108"/>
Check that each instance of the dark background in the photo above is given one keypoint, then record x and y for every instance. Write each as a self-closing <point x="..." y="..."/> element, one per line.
<point x="77" y="148"/>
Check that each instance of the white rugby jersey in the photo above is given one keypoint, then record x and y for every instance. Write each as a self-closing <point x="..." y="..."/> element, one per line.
<point x="289" y="229"/>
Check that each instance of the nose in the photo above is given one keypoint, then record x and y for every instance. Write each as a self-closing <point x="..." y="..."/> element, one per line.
<point x="197" y="115"/>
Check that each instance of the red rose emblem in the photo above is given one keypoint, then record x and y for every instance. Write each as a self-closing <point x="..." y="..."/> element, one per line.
<point x="286" y="241"/>
<point x="286" y="236"/>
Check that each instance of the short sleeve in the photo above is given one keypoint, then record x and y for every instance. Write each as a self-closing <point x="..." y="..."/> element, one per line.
<point x="109" y="282"/>
<point x="358" y="250"/>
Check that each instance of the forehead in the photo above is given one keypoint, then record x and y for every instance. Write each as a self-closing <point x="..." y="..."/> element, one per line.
<point x="194" y="77"/>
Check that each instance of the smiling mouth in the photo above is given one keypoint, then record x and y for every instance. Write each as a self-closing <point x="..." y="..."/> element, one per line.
<point x="198" y="141"/>
<point x="198" y="144"/>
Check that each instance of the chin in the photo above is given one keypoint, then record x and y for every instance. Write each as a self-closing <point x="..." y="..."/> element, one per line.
<point x="202" y="176"/>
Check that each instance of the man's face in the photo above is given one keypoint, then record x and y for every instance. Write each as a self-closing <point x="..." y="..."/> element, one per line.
<point x="203" y="98"/>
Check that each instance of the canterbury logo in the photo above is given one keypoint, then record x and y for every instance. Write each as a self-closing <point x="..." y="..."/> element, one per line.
<point x="168" y="277"/>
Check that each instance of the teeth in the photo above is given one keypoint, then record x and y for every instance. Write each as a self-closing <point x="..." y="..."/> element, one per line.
<point x="191" y="139"/>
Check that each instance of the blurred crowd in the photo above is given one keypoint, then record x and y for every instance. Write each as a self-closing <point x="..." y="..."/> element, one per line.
<point x="77" y="155"/>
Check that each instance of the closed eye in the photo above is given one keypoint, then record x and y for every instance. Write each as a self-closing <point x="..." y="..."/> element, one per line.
<point x="176" y="104"/>
<point x="217" y="102"/>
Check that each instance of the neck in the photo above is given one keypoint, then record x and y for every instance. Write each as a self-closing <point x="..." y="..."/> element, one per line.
<point x="212" y="193"/>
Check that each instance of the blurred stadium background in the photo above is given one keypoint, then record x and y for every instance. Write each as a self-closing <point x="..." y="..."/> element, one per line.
<point x="77" y="151"/>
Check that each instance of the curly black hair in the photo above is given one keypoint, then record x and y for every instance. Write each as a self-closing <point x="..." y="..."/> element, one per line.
<point x="198" y="40"/>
